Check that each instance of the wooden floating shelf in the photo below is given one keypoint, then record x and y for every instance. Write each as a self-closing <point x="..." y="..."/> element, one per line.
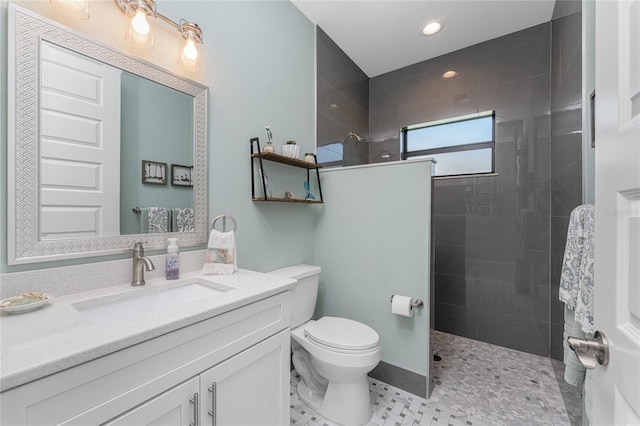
<point x="288" y="200"/>
<point x="286" y="160"/>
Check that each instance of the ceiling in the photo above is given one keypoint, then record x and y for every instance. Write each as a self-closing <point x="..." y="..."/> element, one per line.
<point x="385" y="35"/>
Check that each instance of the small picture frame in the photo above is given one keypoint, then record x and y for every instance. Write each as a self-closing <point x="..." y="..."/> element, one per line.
<point x="181" y="175"/>
<point x="154" y="172"/>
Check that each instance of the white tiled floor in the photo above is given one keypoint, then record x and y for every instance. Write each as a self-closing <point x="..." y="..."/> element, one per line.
<point x="475" y="384"/>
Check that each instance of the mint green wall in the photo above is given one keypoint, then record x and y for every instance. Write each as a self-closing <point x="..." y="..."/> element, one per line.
<point x="260" y="70"/>
<point x="258" y="61"/>
<point x="157" y="125"/>
<point x="371" y="242"/>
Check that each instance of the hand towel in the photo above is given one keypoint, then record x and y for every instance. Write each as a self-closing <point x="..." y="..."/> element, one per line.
<point x="143" y="218"/>
<point x="221" y="256"/>
<point x="182" y="220"/>
<point x="574" y="372"/>
<point x="576" y="280"/>
<point x="158" y="220"/>
<point x="587" y="396"/>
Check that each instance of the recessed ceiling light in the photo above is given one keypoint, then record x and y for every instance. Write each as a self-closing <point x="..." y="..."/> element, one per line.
<point x="449" y="74"/>
<point x="431" y="28"/>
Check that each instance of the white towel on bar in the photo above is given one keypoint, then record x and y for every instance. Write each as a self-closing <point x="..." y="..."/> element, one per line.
<point x="221" y="254"/>
<point x="577" y="280"/>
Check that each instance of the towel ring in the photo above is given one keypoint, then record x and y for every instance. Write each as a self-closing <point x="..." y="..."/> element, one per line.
<point x="224" y="218"/>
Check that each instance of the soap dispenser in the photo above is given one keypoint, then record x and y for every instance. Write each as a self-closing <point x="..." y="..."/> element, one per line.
<point x="172" y="264"/>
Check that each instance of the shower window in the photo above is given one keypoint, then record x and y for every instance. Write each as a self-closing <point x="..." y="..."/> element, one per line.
<point x="460" y="145"/>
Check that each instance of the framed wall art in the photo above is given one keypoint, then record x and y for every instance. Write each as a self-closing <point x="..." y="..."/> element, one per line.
<point x="154" y="172"/>
<point x="181" y="175"/>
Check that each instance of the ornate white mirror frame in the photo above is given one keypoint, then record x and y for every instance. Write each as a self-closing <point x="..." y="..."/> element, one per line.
<point x="26" y="31"/>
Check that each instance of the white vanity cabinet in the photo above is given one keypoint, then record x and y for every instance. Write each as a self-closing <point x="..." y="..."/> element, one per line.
<point x="245" y="352"/>
<point x="175" y="407"/>
<point x="257" y="375"/>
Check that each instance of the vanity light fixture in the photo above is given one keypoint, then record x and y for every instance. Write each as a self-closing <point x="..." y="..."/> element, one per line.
<point x="450" y="74"/>
<point x="78" y="9"/>
<point x="140" y="24"/>
<point x="192" y="34"/>
<point x="431" y="28"/>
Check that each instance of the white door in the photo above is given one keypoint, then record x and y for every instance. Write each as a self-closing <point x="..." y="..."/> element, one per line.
<point x="80" y="145"/>
<point x="616" y="390"/>
<point x="251" y="388"/>
<point x="175" y="407"/>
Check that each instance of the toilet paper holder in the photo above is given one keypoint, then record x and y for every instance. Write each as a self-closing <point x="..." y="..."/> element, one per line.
<point x="417" y="303"/>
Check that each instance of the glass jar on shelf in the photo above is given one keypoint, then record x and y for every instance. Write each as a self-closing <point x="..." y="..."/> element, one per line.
<point x="268" y="148"/>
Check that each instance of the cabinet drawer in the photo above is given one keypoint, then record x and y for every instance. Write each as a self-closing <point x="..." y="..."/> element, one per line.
<point x="102" y="389"/>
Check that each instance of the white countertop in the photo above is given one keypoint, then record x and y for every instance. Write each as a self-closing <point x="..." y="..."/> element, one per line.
<point x="57" y="336"/>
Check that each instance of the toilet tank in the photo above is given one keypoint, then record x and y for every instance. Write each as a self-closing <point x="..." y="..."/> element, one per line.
<point x="304" y="295"/>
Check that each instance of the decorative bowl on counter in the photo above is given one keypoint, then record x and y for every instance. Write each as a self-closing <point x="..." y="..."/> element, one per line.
<point x="26" y="302"/>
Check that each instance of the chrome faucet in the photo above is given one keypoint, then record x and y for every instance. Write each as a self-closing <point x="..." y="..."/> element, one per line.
<point x="139" y="261"/>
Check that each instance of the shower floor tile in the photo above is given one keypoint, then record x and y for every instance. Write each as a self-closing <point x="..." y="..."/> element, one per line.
<point x="476" y="383"/>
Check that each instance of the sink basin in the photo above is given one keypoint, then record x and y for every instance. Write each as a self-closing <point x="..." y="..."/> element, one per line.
<point x="138" y="303"/>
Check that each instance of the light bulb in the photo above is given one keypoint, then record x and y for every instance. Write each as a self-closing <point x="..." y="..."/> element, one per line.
<point x="190" y="51"/>
<point x="431" y="28"/>
<point x="139" y="23"/>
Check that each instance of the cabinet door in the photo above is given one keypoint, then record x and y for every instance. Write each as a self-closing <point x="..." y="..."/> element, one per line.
<point x="174" y="407"/>
<point x="251" y="388"/>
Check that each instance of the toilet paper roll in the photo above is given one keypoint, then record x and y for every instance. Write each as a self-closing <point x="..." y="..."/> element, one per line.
<point x="401" y="305"/>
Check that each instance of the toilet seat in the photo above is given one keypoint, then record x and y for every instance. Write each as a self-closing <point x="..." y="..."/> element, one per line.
<point x="342" y="334"/>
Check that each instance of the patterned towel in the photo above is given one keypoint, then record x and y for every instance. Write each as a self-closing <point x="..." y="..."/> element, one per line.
<point x="158" y="220"/>
<point x="182" y="220"/>
<point x="574" y="372"/>
<point x="576" y="280"/>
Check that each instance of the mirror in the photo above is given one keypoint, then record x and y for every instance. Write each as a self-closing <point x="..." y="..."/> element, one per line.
<point x="83" y="186"/>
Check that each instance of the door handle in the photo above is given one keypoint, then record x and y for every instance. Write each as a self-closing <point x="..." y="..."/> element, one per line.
<point x="591" y="352"/>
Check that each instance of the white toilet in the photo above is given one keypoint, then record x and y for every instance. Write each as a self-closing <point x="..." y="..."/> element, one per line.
<point x="331" y="355"/>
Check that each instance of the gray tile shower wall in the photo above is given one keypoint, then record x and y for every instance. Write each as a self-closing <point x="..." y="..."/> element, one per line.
<point x="499" y="240"/>
<point x="343" y="101"/>
<point x="492" y="233"/>
<point x="566" y="150"/>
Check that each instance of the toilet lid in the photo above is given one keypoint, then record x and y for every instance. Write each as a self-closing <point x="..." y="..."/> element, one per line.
<point x="342" y="333"/>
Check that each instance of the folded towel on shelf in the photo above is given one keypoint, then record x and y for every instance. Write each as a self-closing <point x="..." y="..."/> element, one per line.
<point x="158" y="219"/>
<point x="221" y="256"/>
<point x="577" y="280"/>
<point x="182" y="220"/>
